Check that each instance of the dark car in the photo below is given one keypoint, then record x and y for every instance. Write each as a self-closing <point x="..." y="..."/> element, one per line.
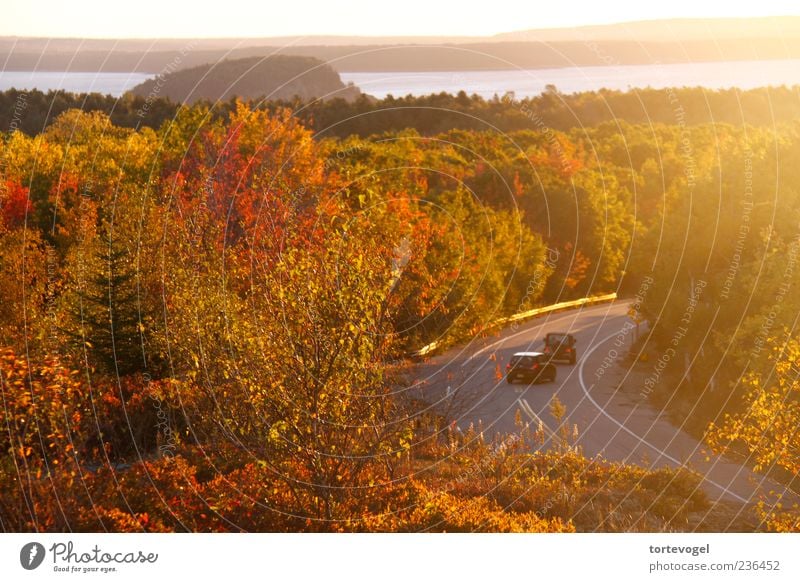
<point x="561" y="347"/>
<point x="531" y="367"/>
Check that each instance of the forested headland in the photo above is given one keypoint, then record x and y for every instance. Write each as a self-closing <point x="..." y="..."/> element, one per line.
<point x="273" y="78"/>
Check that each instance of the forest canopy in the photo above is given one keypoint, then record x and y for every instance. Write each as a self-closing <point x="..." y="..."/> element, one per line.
<point x="205" y="319"/>
<point x="32" y="111"/>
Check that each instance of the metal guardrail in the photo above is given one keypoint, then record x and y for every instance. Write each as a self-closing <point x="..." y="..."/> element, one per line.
<point x="425" y="350"/>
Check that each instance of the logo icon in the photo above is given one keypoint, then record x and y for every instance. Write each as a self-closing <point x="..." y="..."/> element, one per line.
<point x="31" y="555"/>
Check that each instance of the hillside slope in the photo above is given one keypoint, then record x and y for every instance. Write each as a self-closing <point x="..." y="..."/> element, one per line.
<point x="274" y="77"/>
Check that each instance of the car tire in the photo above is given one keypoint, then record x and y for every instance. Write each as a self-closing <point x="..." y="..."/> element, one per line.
<point x="509" y="379"/>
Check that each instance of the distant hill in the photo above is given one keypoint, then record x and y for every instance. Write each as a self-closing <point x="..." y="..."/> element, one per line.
<point x="488" y="55"/>
<point x="276" y="77"/>
<point x="667" y="30"/>
<point x="628" y="43"/>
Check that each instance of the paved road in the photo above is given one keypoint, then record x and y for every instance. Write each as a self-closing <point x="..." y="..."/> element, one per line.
<point x="618" y="425"/>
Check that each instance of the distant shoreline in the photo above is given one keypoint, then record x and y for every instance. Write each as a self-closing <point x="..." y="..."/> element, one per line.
<point x="524" y="83"/>
<point x="473" y="56"/>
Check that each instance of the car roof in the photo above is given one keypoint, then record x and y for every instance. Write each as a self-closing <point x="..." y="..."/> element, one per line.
<point x="564" y="333"/>
<point x="528" y="354"/>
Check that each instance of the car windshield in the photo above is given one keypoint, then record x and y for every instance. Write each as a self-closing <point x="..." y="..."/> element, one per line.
<point x="522" y="361"/>
<point x="557" y="338"/>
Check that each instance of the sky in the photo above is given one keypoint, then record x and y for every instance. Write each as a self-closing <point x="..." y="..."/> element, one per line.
<point x="263" y="18"/>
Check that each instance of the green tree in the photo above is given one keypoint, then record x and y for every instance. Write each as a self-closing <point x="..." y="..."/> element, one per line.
<point x="102" y="307"/>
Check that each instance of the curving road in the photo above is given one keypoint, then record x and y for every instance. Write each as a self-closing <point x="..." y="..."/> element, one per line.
<point x="618" y="425"/>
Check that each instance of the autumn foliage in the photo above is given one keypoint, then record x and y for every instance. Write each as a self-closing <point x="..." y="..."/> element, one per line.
<point x="203" y="327"/>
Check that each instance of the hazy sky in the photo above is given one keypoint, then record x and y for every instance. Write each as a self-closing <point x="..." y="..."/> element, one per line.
<point x="249" y="18"/>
